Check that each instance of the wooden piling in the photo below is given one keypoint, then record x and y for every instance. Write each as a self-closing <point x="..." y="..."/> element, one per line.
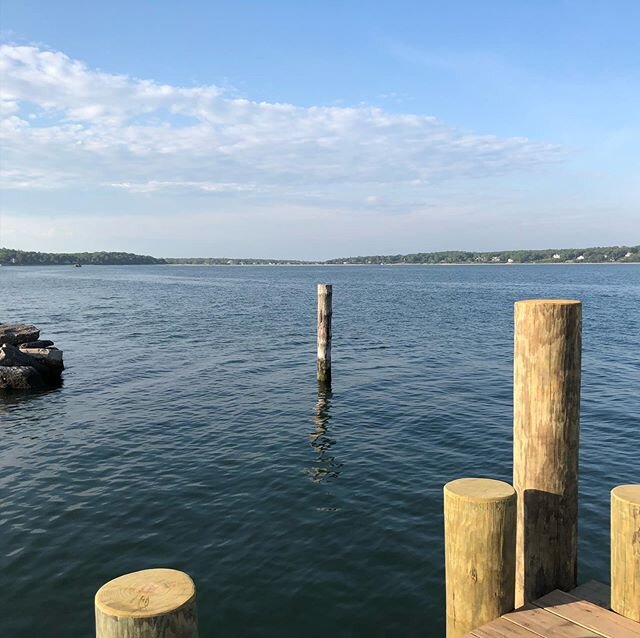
<point x="153" y="603"/>
<point x="324" y="332"/>
<point x="546" y="410"/>
<point x="625" y="551"/>
<point x="480" y="539"/>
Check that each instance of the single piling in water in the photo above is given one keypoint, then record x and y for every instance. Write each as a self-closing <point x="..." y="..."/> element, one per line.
<point x="324" y="333"/>
<point x="546" y="411"/>
<point x="153" y="603"/>
<point x="625" y="551"/>
<point x="480" y="542"/>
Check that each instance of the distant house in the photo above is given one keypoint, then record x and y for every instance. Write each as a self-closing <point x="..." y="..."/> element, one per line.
<point x="628" y="255"/>
<point x="495" y="259"/>
<point x="509" y="261"/>
<point x="556" y="256"/>
<point x="580" y="258"/>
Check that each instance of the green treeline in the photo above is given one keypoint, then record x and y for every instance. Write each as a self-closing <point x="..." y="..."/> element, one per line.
<point x="615" y="254"/>
<point x="557" y="255"/>
<point x="226" y="261"/>
<point x="28" y="258"/>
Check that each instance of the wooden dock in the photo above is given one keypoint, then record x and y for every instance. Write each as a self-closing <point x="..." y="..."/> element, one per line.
<point x="582" y="613"/>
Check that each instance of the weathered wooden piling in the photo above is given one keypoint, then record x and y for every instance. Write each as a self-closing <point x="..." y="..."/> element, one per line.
<point x="153" y="603"/>
<point x="546" y="410"/>
<point x="324" y="332"/>
<point x="625" y="551"/>
<point x="480" y="539"/>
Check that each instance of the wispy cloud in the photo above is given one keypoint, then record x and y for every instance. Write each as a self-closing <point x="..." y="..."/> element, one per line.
<point x="254" y="178"/>
<point x="208" y="187"/>
<point x="65" y="125"/>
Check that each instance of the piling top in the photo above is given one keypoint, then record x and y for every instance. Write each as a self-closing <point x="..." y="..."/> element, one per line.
<point x="150" y="592"/>
<point x="479" y="490"/>
<point x="628" y="493"/>
<point x="548" y="302"/>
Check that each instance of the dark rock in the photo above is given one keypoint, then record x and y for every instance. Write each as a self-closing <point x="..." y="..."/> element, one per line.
<point x="42" y="343"/>
<point x="19" y="378"/>
<point x="11" y="356"/>
<point x="16" y="333"/>
<point x="51" y="357"/>
<point x="26" y="362"/>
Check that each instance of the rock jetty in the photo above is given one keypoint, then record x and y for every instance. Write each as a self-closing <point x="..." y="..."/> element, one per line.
<point x="26" y="361"/>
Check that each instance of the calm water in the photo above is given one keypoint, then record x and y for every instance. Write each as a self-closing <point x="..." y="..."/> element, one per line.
<point x="190" y="433"/>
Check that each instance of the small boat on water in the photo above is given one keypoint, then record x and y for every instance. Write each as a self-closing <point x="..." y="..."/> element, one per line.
<point x="78" y="264"/>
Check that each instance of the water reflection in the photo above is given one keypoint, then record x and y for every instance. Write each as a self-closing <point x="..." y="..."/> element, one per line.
<point x="326" y="466"/>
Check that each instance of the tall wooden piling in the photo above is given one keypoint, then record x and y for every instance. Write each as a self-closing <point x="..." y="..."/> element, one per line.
<point x="325" y="310"/>
<point x="480" y="540"/>
<point x="625" y="551"/>
<point x="153" y="603"/>
<point x="546" y="410"/>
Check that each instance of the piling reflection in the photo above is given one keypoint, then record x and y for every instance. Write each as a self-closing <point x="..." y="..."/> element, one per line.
<point x="326" y="466"/>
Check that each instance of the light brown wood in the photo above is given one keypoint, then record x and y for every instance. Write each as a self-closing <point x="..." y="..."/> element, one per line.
<point x="501" y="628"/>
<point x="543" y="623"/>
<point x="562" y="615"/>
<point x="546" y="410"/>
<point x="588" y="615"/>
<point x="593" y="592"/>
<point x="625" y="551"/>
<point x="325" y="311"/>
<point x="479" y="536"/>
<point x="152" y="603"/>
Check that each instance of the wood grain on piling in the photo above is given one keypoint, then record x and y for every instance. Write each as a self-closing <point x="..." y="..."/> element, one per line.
<point x="152" y="603"/>
<point x="325" y="312"/>
<point x="625" y="551"/>
<point x="479" y="520"/>
<point x="546" y="414"/>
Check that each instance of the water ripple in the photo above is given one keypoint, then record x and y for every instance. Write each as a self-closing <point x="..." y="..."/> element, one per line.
<point x="190" y="432"/>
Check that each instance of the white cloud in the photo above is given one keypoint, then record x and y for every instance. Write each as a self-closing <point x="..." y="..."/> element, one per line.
<point x="67" y="126"/>
<point x="168" y="170"/>
<point x="208" y="187"/>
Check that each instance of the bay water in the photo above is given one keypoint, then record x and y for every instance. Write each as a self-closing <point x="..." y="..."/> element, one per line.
<point x="190" y="433"/>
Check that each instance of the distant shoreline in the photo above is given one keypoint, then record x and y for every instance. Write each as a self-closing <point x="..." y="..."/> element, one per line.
<point x="356" y="265"/>
<point x="532" y="263"/>
<point x="555" y="256"/>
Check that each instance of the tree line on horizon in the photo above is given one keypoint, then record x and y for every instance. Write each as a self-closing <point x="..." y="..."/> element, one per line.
<point x="603" y="254"/>
<point x="12" y="257"/>
<point x="102" y="258"/>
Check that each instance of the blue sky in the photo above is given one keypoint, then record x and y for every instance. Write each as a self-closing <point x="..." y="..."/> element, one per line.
<point x="251" y="129"/>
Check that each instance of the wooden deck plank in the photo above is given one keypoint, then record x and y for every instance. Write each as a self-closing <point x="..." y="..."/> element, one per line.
<point x="588" y="615"/>
<point x="548" y="625"/>
<point x="502" y="628"/>
<point x="593" y="592"/>
<point x="582" y="613"/>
